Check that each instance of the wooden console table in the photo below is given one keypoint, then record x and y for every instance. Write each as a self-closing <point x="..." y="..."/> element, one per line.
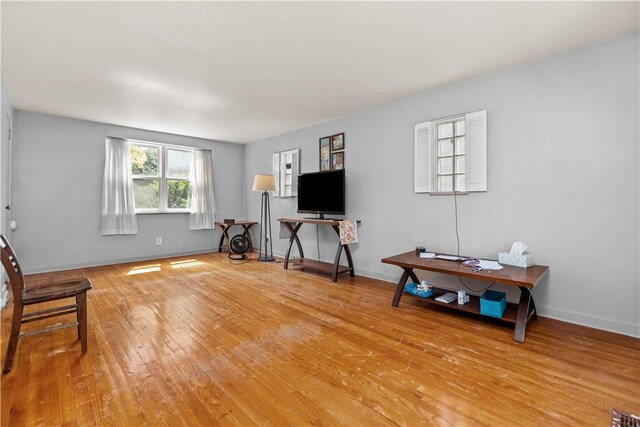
<point x="524" y="278"/>
<point x="246" y="225"/>
<point x="294" y="225"/>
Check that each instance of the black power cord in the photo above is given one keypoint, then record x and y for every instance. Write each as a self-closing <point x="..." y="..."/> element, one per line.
<point x="475" y="290"/>
<point x="236" y="261"/>
<point x="455" y="203"/>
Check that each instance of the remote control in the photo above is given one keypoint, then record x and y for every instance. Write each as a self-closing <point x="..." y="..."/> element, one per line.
<point x="447" y="298"/>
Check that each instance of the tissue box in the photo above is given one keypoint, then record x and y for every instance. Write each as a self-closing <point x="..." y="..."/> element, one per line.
<point x="493" y="303"/>
<point x="525" y="260"/>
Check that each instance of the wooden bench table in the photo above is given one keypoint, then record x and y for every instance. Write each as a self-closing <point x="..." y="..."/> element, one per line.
<point x="524" y="278"/>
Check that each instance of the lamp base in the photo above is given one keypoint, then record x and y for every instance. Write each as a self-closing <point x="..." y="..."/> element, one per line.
<point x="266" y="259"/>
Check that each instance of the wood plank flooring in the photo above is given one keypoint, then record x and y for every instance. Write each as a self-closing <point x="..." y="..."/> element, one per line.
<point x="199" y="341"/>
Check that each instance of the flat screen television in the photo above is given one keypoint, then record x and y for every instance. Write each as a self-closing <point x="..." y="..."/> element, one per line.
<point x="322" y="193"/>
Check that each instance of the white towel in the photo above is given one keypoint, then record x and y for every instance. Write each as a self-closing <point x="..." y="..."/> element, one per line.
<point x="348" y="231"/>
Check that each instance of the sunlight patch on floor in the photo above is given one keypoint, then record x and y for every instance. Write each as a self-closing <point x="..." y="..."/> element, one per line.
<point x="186" y="263"/>
<point x="144" y="269"/>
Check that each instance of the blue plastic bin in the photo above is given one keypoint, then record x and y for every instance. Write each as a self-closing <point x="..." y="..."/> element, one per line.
<point x="493" y="303"/>
<point x="411" y="288"/>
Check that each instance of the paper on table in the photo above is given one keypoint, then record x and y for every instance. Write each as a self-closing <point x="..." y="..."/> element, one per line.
<point x="489" y="265"/>
<point x="518" y="248"/>
<point x="427" y="255"/>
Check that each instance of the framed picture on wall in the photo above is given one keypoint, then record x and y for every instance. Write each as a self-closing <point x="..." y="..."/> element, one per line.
<point x="337" y="160"/>
<point x="337" y="142"/>
<point x="325" y="153"/>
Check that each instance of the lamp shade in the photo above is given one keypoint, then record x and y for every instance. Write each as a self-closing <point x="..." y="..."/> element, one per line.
<point x="264" y="183"/>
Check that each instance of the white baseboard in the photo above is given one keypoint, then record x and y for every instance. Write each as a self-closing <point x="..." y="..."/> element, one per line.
<point x="50" y="268"/>
<point x="590" y="321"/>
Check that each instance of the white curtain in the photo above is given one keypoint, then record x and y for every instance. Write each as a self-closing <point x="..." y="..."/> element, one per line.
<point x="203" y="207"/>
<point x="118" y="209"/>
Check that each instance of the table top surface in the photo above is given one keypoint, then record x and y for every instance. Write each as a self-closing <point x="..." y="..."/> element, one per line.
<point x="236" y="222"/>
<point x="515" y="276"/>
<point x="310" y="221"/>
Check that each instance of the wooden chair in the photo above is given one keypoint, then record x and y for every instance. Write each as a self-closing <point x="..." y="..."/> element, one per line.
<point x="23" y="297"/>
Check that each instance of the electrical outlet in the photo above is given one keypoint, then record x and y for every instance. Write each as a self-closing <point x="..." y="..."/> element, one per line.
<point x="158" y="240"/>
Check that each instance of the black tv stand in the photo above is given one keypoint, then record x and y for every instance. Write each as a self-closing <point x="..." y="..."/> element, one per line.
<point x="321" y="216"/>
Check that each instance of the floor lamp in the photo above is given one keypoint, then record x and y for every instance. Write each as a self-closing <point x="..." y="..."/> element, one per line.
<point x="265" y="183"/>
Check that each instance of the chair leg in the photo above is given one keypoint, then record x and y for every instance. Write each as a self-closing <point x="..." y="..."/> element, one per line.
<point x="81" y="300"/>
<point x="13" y="338"/>
<point x="78" y="315"/>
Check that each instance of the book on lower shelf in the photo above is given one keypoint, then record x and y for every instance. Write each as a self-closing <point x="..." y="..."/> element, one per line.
<point x="447" y="298"/>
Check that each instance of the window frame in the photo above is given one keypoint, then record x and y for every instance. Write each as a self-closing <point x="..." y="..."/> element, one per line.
<point x="167" y="178"/>
<point x="163" y="193"/>
<point x="435" y="124"/>
<point x="475" y="152"/>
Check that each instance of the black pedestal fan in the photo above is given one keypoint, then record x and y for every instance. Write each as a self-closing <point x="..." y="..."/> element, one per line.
<point x="238" y="247"/>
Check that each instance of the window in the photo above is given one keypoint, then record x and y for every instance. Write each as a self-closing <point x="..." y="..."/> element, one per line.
<point x="178" y="173"/>
<point x="285" y="170"/>
<point x="450" y="170"/>
<point x="161" y="177"/>
<point x="451" y="154"/>
<point x="287" y="182"/>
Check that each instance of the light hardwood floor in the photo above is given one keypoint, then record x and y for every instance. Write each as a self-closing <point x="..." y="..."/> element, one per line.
<point x="198" y="341"/>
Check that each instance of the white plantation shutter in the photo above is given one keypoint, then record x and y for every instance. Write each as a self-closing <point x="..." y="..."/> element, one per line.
<point x="281" y="187"/>
<point x="294" y="173"/>
<point x="276" y="173"/>
<point x="423" y="178"/>
<point x="476" y="146"/>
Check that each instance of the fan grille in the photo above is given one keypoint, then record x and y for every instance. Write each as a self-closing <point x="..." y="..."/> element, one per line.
<point x="239" y="244"/>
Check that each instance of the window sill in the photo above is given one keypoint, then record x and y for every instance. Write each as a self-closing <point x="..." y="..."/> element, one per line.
<point x="449" y="193"/>
<point x="162" y="213"/>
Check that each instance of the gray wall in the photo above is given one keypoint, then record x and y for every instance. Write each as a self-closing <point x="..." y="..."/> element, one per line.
<point x="57" y="192"/>
<point x="563" y="139"/>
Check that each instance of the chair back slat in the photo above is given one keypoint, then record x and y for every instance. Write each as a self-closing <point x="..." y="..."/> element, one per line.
<point x="12" y="267"/>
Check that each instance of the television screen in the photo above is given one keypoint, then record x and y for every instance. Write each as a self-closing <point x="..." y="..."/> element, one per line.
<point x="322" y="193"/>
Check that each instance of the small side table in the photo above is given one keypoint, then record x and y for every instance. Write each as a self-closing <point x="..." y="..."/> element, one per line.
<point x="246" y="225"/>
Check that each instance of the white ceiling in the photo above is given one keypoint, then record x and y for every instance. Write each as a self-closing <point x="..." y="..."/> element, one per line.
<point x="244" y="71"/>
